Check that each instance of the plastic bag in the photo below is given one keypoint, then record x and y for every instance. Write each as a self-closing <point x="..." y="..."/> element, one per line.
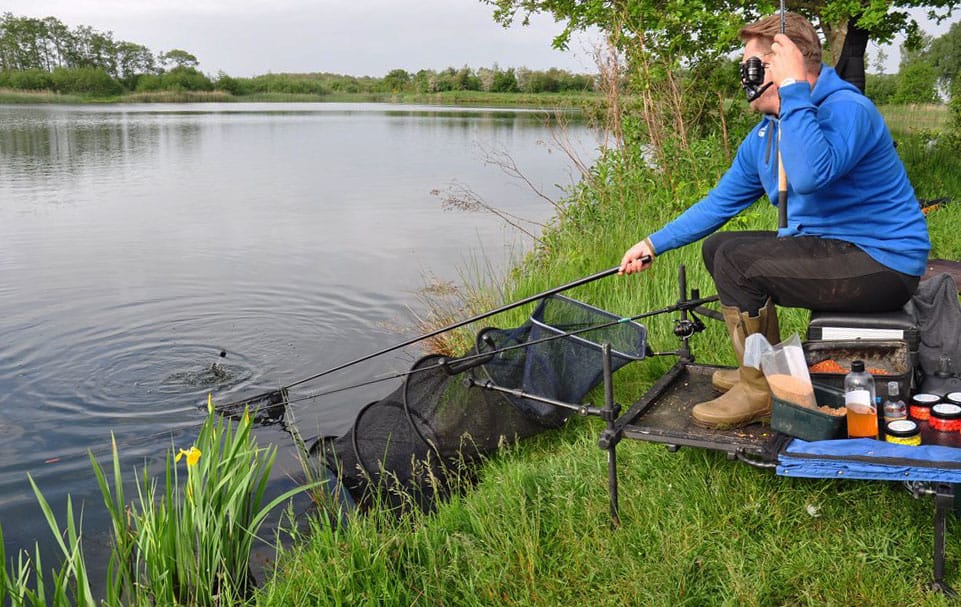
<point x="785" y="369"/>
<point x="755" y="347"/>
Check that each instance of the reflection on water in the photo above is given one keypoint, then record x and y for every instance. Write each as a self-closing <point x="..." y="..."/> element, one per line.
<point x="139" y="242"/>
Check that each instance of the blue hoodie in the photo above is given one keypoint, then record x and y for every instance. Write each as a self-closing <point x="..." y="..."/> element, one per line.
<point x="845" y="179"/>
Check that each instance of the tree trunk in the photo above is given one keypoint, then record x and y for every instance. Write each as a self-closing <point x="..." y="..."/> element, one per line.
<point x="834" y="35"/>
<point x="849" y="62"/>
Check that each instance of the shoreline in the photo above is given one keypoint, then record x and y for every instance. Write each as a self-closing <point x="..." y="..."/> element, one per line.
<point x="531" y="100"/>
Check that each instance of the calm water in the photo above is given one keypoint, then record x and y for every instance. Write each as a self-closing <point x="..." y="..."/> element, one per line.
<point x="138" y="242"/>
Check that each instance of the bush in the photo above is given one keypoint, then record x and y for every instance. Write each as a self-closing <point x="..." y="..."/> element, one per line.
<point x="286" y="83"/>
<point x="234" y="86"/>
<point x="185" y="79"/>
<point x="880" y="88"/>
<point x="85" y="80"/>
<point x="177" y="79"/>
<point x="26" y="80"/>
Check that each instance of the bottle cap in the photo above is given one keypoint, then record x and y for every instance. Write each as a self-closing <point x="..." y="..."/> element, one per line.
<point x="893" y="389"/>
<point x="946" y="411"/>
<point x="902" y="427"/>
<point x="923" y="398"/>
<point x="857" y="365"/>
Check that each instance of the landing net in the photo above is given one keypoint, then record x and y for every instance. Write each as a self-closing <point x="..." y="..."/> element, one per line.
<point x="412" y="447"/>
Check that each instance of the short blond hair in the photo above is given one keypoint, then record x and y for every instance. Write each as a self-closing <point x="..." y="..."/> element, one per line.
<point x="797" y="28"/>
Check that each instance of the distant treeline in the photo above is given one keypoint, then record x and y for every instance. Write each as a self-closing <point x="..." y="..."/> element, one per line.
<point x="46" y="55"/>
<point x="511" y="80"/>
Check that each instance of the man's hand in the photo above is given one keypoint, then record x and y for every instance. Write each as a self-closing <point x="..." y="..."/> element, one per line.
<point x="637" y="258"/>
<point x="786" y="61"/>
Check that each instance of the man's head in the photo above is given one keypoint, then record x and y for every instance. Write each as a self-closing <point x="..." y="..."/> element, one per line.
<point x="758" y="39"/>
<point x="796" y="27"/>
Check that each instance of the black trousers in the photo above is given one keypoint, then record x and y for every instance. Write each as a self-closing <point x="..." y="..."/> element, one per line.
<point x="801" y="272"/>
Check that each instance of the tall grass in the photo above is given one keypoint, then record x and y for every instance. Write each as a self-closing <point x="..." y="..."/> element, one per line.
<point x="913" y="118"/>
<point x="183" y="541"/>
<point x="13" y="96"/>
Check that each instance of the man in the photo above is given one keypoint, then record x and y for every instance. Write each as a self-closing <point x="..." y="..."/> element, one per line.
<point x="855" y="239"/>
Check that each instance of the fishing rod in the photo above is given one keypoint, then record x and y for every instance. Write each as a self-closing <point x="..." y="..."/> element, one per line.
<point x="280" y="394"/>
<point x="459" y="365"/>
<point x="781" y="174"/>
<point x="462" y="323"/>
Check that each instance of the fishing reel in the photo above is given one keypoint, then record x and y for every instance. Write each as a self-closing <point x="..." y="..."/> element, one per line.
<point x="752" y="78"/>
<point x="686" y="328"/>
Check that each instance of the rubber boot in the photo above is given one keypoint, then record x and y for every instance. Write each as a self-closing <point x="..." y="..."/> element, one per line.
<point x="724" y="379"/>
<point x="749" y="399"/>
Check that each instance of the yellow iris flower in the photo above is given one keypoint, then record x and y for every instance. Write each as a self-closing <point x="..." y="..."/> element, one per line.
<point x="193" y="456"/>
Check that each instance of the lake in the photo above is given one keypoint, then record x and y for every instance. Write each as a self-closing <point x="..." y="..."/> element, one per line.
<point x="142" y="244"/>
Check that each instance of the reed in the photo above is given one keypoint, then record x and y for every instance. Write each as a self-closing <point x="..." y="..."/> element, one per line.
<point x="183" y="541"/>
<point x="176" y="97"/>
<point x="14" y="96"/>
<point x="914" y="118"/>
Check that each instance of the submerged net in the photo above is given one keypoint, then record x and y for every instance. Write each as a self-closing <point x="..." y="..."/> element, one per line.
<point x="413" y="446"/>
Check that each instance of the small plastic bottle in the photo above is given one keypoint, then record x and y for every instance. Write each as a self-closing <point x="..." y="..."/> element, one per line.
<point x="859" y="398"/>
<point x="894" y="407"/>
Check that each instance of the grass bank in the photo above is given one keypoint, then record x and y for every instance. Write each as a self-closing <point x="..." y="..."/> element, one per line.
<point x="696" y="529"/>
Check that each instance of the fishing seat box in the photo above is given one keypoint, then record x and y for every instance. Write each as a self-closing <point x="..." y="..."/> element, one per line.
<point x="886" y="340"/>
<point x="890" y="326"/>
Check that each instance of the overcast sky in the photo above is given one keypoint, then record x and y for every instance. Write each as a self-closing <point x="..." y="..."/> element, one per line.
<point x="356" y="37"/>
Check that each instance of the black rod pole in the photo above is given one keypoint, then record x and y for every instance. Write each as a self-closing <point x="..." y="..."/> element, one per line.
<point x="781" y="175"/>
<point x="462" y="323"/>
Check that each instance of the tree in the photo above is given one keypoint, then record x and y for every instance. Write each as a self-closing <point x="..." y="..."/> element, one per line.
<point x="504" y="81"/>
<point x="396" y="80"/>
<point x="944" y="54"/>
<point x="132" y="61"/>
<point x="465" y="80"/>
<point x="672" y="48"/>
<point x="178" y="58"/>
<point x="917" y="78"/>
<point x="693" y="29"/>
<point x="917" y="83"/>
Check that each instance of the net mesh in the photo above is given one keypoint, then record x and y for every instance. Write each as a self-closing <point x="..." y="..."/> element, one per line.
<point x="415" y="445"/>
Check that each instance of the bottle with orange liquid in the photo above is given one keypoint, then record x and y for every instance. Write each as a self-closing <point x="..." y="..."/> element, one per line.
<point x="861" y="403"/>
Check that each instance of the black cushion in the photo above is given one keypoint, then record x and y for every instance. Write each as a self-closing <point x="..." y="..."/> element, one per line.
<point x="899" y="319"/>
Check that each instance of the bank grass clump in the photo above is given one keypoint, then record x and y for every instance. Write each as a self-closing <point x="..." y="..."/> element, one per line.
<point x="10" y="96"/>
<point x="185" y="540"/>
<point x="178" y="96"/>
